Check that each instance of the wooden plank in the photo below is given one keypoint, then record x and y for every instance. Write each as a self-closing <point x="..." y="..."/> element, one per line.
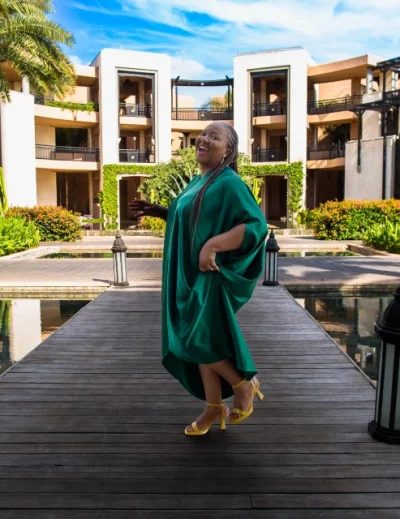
<point x="91" y="425"/>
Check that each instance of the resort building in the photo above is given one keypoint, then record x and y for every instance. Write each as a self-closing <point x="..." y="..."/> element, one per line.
<point x="340" y="120"/>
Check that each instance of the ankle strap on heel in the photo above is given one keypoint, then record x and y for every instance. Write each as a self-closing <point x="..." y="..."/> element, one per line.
<point x="240" y="383"/>
<point x="223" y="425"/>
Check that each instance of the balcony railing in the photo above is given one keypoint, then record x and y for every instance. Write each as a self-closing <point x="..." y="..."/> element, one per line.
<point x="141" y="156"/>
<point x="135" y="110"/>
<point x="333" y="151"/>
<point x="392" y="96"/>
<point x="329" y="106"/>
<point x="200" y="114"/>
<point x="67" y="153"/>
<point x="260" y="109"/>
<point x="270" y="155"/>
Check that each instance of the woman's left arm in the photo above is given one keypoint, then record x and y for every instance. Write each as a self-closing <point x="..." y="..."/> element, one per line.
<point x="225" y="242"/>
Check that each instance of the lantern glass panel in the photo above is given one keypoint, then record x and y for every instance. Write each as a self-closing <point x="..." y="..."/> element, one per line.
<point x="387" y="385"/>
<point x="378" y="388"/>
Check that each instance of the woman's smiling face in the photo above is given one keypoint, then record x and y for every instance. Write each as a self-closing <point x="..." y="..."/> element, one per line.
<point x="212" y="145"/>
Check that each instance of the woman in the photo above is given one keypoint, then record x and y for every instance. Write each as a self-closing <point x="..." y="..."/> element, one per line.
<point x="213" y="258"/>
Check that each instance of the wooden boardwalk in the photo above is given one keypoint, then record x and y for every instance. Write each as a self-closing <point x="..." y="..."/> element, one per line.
<point x="92" y="427"/>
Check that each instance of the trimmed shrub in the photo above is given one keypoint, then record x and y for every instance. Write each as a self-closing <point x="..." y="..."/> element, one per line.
<point x="156" y="225"/>
<point x="17" y="235"/>
<point x="54" y="223"/>
<point x="384" y="236"/>
<point x="350" y="220"/>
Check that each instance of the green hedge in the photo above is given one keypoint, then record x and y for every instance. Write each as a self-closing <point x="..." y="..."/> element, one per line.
<point x="384" y="236"/>
<point x="53" y="223"/>
<point x="156" y="225"/>
<point x="17" y="235"/>
<point x="350" y="220"/>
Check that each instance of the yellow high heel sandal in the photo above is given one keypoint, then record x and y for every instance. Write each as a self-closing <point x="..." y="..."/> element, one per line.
<point x="242" y="414"/>
<point x="200" y="432"/>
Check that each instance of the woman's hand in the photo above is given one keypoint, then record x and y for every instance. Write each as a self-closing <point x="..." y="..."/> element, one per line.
<point x="207" y="258"/>
<point x="148" y="209"/>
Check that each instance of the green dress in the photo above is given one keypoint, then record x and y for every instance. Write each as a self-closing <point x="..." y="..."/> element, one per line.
<point x="198" y="308"/>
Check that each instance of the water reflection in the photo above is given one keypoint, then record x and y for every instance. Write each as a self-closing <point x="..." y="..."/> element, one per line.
<point x="25" y="323"/>
<point x="350" y="322"/>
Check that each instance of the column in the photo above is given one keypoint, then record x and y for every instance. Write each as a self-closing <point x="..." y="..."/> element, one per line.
<point x="90" y="183"/>
<point x="25" y="86"/>
<point x="25" y="327"/>
<point x="264" y="145"/>
<point x="264" y="91"/>
<point x="90" y="138"/>
<point x="370" y="81"/>
<point x="18" y="149"/>
<point x="141" y="93"/>
<point x="142" y="141"/>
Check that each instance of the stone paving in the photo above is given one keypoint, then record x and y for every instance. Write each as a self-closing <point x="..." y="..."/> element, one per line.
<point x="294" y="273"/>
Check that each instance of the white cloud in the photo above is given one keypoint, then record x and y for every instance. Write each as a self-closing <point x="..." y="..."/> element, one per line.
<point x="189" y="68"/>
<point x="329" y="29"/>
<point x="76" y="60"/>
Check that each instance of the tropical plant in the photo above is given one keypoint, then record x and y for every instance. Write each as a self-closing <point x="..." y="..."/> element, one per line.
<point x="217" y="103"/>
<point x="157" y="225"/>
<point x="3" y="194"/>
<point x="30" y="44"/>
<point x="351" y="219"/>
<point x="169" y="179"/>
<point x="17" y="235"/>
<point x="54" y="223"/>
<point x="384" y="236"/>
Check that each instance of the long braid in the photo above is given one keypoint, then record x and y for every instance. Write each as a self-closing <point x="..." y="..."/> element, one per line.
<point x="231" y="161"/>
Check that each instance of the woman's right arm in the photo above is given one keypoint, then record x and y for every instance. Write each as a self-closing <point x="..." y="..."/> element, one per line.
<point x="148" y="209"/>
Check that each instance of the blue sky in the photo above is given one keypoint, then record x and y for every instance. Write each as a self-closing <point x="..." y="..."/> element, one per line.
<point x="203" y="36"/>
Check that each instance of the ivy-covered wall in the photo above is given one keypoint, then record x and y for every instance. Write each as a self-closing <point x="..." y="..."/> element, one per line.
<point x="294" y="173"/>
<point x="109" y="195"/>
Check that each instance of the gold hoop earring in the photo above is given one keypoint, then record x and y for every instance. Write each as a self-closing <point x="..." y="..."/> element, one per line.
<point x="223" y="160"/>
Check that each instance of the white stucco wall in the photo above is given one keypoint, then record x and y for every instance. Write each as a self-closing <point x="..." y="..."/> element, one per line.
<point x="46" y="187"/>
<point x="296" y="62"/>
<point x="110" y="61"/>
<point x="366" y="184"/>
<point x="18" y="149"/>
<point x="371" y="121"/>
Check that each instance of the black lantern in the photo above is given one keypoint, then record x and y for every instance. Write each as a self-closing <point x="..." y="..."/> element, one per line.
<point x="386" y="425"/>
<point x="271" y="262"/>
<point x="119" y="260"/>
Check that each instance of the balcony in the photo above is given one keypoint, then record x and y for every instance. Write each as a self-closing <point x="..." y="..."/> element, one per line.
<point x="270" y="155"/>
<point x="200" y="114"/>
<point x="392" y="97"/>
<point x="65" y="158"/>
<point x="135" y="110"/>
<point x="326" y="157"/>
<point x="261" y="109"/>
<point x="67" y="115"/>
<point x="328" y="106"/>
<point x="44" y="152"/>
<point x="136" y="156"/>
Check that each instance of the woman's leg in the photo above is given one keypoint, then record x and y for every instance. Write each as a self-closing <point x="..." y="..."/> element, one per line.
<point x="244" y="393"/>
<point x="212" y="388"/>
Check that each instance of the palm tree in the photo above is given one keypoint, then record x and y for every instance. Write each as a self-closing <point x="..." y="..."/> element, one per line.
<point x="30" y="44"/>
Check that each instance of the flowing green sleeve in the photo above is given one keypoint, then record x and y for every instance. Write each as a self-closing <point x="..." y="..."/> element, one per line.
<point x="241" y="269"/>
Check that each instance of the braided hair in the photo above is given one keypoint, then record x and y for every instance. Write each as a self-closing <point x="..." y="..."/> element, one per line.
<point x="229" y="161"/>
